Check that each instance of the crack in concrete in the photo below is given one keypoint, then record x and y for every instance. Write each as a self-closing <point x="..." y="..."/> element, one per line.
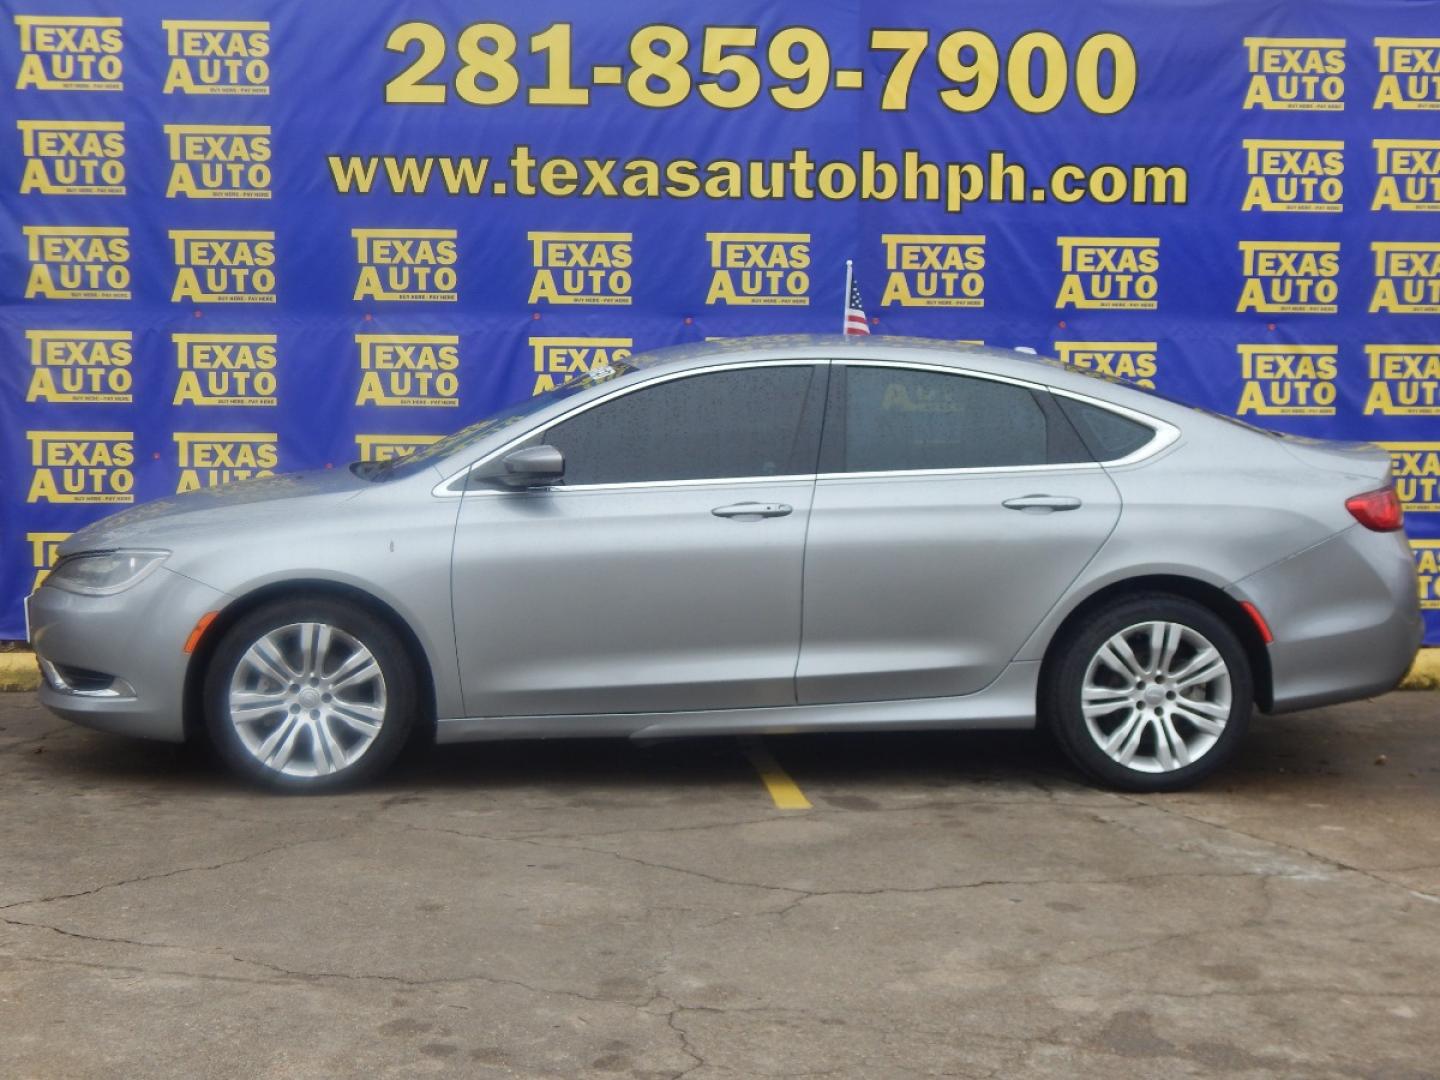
<point x="804" y="894"/>
<point x="685" y="1046"/>
<point x="160" y="875"/>
<point x="292" y="974"/>
<point x="1407" y="869"/>
<point x="134" y="969"/>
<point x="898" y="1035"/>
<point x="771" y="818"/>
<point x="1316" y="856"/>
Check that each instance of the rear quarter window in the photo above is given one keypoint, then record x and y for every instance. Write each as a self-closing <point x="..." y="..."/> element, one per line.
<point x="1107" y="435"/>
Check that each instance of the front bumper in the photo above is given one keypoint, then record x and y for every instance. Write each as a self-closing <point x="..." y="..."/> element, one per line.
<point x="1345" y="615"/>
<point x="136" y="636"/>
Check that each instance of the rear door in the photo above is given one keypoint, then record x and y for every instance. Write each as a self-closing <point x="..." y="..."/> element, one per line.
<point x="950" y="514"/>
<point x="664" y="573"/>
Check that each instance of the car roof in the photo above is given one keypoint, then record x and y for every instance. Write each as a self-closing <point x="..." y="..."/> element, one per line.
<point x="837" y="346"/>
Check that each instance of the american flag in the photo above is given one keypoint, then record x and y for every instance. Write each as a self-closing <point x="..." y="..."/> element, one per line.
<point x="855" y="321"/>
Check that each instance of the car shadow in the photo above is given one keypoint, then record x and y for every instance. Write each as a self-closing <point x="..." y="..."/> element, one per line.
<point x="1274" y="757"/>
<point x="853" y="760"/>
<point x="938" y="758"/>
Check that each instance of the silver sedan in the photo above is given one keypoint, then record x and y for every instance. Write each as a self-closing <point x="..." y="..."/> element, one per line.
<point x="758" y="536"/>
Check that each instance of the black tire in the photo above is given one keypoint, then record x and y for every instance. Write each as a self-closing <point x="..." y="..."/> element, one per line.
<point x="1061" y="704"/>
<point x="397" y="683"/>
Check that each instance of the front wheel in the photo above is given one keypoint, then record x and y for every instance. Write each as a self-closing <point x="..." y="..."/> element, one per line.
<point x="310" y="695"/>
<point x="1152" y="693"/>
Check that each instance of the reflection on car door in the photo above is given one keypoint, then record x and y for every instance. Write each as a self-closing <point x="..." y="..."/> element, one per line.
<point x="950" y="514"/>
<point x="665" y="572"/>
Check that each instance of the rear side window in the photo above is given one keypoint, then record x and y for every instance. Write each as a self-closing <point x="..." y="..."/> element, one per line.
<point x="892" y="419"/>
<point x="759" y="421"/>
<point x="1107" y="435"/>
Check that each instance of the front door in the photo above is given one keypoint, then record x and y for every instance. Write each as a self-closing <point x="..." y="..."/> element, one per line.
<point x="665" y="572"/>
<point x="950" y="515"/>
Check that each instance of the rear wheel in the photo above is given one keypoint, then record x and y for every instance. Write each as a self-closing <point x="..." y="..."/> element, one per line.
<point x="1152" y="693"/>
<point x="310" y="695"/>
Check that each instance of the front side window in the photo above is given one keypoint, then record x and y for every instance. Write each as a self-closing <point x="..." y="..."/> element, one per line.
<point x="757" y="421"/>
<point x="900" y="419"/>
<point x="423" y="458"/>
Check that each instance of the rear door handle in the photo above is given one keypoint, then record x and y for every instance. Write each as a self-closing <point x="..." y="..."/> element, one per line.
<point x="1042" y="504"/>
<point x="753" y="511"/>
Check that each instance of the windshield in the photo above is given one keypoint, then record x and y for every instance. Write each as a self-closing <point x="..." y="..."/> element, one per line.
<point x="409" y="464"/>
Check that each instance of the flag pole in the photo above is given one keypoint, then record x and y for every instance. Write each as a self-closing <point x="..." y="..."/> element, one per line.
<point x="845" y="310"/>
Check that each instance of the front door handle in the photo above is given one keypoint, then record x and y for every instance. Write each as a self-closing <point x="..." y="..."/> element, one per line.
<point x="753" y="511"/>
<point x="1042" y="504"/>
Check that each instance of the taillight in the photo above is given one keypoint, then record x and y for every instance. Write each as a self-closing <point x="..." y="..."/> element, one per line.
<point x="1377" y="510"/>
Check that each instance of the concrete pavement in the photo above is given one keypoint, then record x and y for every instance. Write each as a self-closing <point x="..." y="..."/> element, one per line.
<point x="949" y="905"/>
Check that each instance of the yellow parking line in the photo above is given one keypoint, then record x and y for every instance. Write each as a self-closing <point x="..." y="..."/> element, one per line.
<point x="783" y="790"/>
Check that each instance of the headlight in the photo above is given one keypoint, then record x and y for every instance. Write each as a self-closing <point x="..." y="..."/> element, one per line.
<point x="102" y="573"/>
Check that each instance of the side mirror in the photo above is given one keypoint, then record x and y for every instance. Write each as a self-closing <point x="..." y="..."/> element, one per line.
<point x="534" y="466"/>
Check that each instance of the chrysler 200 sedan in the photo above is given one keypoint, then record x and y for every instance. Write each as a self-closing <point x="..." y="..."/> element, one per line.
<point x="759" y="536"/>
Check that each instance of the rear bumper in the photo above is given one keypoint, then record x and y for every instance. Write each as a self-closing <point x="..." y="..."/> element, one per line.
<point x="137" y="637"/>
<point x="1345" y="615"/>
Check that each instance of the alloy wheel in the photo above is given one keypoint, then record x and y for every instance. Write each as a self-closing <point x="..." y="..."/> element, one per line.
<point x="1156" y="696"/>
<point x="307" y="699"/>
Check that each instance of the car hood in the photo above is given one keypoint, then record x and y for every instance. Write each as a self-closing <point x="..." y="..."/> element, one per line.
<point x="248" y="503"/>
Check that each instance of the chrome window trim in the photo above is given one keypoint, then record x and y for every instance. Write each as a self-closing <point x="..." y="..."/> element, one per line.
<point x="1165" y="434"/>
<point x="1069" y="466"/>
<point x="639" y="485"/>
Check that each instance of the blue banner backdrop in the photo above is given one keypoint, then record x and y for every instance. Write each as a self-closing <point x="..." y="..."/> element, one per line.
<point x="238" y="237"/>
